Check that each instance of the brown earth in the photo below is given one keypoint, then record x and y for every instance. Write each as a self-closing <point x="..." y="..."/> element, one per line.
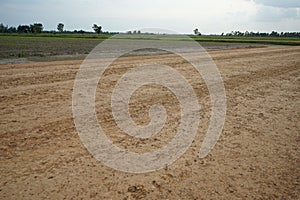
<point x="256" y="157"/>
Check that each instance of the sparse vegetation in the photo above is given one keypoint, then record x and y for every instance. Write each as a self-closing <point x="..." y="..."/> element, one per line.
<point x="26" y="45"/>
<point x="44" y="44"/>
<point x="32" y="40"/>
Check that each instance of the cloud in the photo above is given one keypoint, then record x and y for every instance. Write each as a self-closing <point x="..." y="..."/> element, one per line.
<point x="275" y="14"/>
<point x="214" y="16"/>
<point x="279" y="3"/>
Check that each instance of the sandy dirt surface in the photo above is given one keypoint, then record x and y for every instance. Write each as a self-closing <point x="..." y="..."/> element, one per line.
<point x="256" y="157"/>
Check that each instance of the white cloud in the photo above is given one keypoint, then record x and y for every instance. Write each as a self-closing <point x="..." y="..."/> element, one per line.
<point x="212" y="16"/>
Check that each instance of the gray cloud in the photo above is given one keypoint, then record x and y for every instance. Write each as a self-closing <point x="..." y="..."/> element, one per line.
<point x="279" y="3"/>
<point x="276" y="10"/>
<point x="215" y="16"/>
<point x="275" y="14"/>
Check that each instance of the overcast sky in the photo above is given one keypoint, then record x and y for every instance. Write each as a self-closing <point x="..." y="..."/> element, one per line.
<point x="182" y="16"/>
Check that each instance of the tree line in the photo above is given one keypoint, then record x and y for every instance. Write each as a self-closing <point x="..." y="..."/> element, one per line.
<point x="263" y="34"/>
<point x="32" y="28"/>
<point x="39" y="28"/>
<point x="256" y="34"/>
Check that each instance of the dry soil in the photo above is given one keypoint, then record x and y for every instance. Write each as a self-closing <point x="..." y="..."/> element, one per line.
<point x="256" y="157"/>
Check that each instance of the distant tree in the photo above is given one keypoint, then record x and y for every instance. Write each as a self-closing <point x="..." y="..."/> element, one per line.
<point x="274" y="34"/>
<point x="60" y="27"/>
<point x="23" y="29"/>
<point x="196" y="31"/>
<point x="12" y="29"/>
<point x="129" y="32"/>
<point x="97" y="29"/>
<point x="281" y="34"/>
<point x="81" y="31"/>
<point x="3" y="28"/>
<point x="139" y="32"/>
<point x="262" y="34"/>
<point x="237" y="33"/>
<point x="36" y="28"/>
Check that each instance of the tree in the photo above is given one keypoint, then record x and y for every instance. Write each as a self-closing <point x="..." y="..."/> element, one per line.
<point x="3" y="28"/>
<point x="274" y="34"/>
<point x="12" y="29"/>
<point x="36" y="28"/>
<point x="60" y="27"/>
<point x="196" y="31"/>
<point x="23" y="29"/>
<point x="97" y="29"/>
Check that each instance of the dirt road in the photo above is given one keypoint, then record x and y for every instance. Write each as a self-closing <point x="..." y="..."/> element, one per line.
<point x="256" y="157"/>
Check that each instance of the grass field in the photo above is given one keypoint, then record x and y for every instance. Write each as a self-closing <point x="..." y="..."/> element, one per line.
<point x="41" y="45"/>
<point x="260" y="40"/>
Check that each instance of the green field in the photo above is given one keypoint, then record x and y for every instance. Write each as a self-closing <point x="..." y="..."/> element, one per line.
<point x="243" y="39"/>
<point x="42" y="45"/>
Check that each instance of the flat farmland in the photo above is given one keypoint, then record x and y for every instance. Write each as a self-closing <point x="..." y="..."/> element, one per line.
<point x="256" y="157"/>
<point x="49" y="47"/>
